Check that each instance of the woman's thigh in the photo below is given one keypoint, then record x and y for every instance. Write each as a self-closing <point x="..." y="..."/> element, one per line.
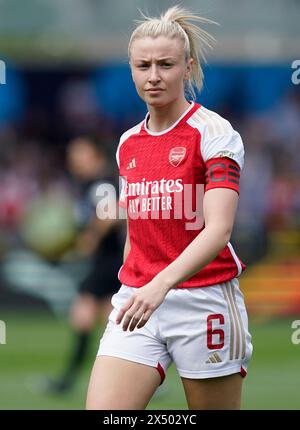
<point x="214" y="393"/>
<point x="121" y="384"/>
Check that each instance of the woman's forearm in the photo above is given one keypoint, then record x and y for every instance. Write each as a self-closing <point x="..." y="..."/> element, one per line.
<point x="201" y="251"/>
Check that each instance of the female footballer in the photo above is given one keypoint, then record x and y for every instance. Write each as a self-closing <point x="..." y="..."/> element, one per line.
<point x="180" y="299"/>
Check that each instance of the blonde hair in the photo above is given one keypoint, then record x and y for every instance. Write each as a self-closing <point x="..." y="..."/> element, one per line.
<point x="176" y="22"/>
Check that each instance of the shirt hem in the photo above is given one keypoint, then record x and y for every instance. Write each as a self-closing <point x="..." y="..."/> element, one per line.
<point x="221" y="281"/>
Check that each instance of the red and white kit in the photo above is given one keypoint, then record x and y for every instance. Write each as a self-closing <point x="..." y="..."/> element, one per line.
<point x="199" y="152"/>
<point x="204" y="331"/>
<point x="165" y="175"/>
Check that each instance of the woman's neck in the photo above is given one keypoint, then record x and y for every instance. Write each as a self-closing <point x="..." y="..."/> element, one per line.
<point x="161" y="118"/>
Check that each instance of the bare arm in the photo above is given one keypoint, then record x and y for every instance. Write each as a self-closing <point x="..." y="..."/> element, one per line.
<point x="92" y="236"/>
<point x="219" y="207"/>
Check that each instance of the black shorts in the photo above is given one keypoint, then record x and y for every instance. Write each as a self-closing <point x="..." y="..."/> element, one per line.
<point x="102" y="280"/>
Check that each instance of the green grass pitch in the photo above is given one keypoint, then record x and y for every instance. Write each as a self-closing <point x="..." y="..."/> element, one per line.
<point x="37" y="343"/>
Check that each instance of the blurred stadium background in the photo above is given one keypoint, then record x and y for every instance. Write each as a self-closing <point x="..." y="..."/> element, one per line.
<point x="67" y="74"/>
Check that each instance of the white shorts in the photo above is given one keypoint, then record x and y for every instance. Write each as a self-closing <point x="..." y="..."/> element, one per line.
<point x="204" y="331"/>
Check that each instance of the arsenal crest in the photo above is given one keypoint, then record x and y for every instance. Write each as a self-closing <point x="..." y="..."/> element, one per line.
<point x="176" y="155"/>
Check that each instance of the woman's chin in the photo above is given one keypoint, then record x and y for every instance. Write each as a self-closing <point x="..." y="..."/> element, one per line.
<point x="156" y="102"/>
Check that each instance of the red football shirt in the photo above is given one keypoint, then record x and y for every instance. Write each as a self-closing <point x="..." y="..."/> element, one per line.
<point x="165" y="175"/>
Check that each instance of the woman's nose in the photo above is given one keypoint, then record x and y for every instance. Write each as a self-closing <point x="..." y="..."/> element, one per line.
<point x="154" y="75"/>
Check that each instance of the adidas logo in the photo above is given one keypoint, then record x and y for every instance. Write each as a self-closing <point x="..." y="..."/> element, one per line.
<point x="131" y="165"/>
<point x="214" y="358"/>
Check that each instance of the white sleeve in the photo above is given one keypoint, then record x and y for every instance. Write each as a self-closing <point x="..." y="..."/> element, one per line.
<point x="228" y="145"/>
<point x="134" y="130"/>
<point x="118" y="154"/>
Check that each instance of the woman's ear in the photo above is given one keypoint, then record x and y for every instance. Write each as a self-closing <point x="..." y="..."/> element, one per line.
<point x="189" y="69"/>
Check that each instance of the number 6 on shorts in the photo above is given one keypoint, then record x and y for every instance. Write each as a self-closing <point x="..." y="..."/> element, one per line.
<point x="213" y="332"/>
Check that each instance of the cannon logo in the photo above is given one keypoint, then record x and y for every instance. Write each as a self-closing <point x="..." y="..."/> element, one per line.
<point x="177" y="155"/>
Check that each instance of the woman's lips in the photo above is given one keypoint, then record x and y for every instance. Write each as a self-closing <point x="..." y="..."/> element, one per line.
<point x="153" y="90"/>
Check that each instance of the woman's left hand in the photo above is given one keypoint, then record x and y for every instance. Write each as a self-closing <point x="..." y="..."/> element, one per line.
<point x="141" y="305"/>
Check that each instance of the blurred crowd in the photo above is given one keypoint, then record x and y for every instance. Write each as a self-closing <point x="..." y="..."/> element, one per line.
<point x="270" y="185"/>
